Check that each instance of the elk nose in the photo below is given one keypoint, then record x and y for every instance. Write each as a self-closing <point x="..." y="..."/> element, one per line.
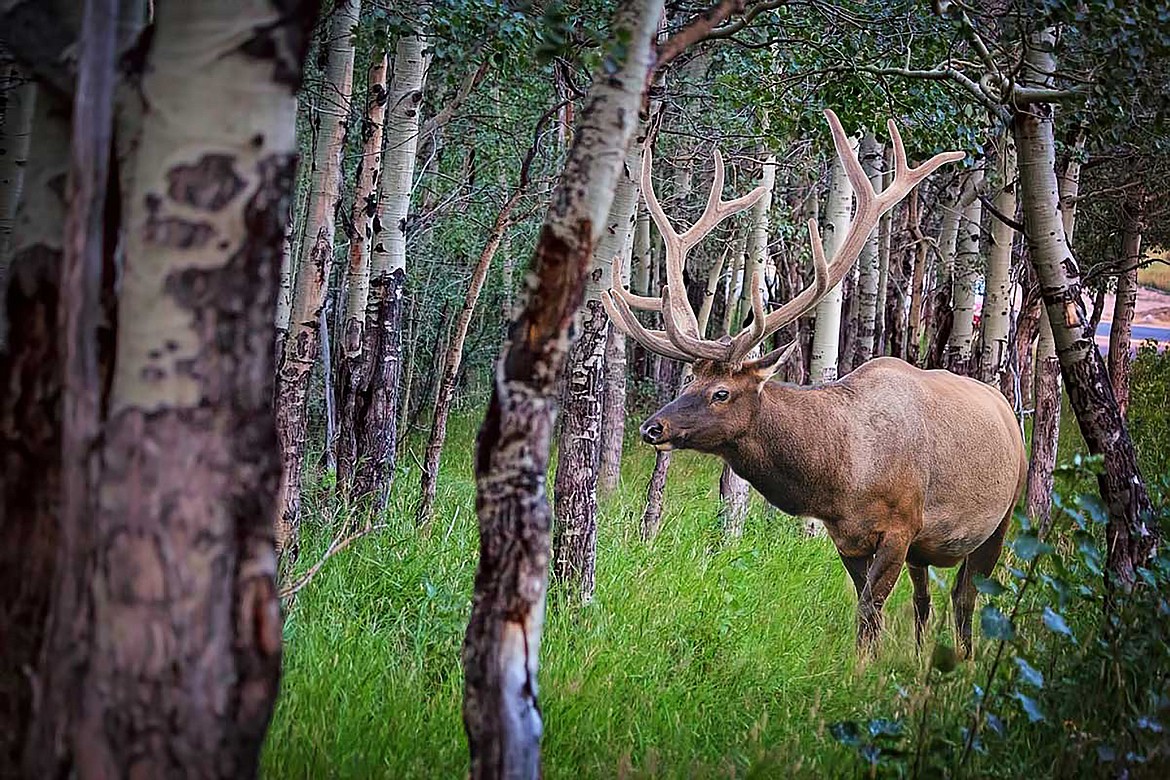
<point x="652" y="432"/>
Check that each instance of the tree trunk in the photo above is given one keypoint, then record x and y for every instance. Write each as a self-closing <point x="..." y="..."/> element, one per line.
<point x="940" y="316"/>
<point x="578" y="453"/>
<point x="867" y="265"/>
<point x="376" y="401"/>
<point x="352" y="368"/>
<point x="960" y="345"/>
<point x="452" y="360"/>
<point x="613" y="412"/>
<point x="882" y="330"/>
<point x="15" y="135"/>
<point x="501" y="649"/>
<point x="997" y="301"/>
<point x="1045" y="429"/>
<point x="301" y="345"/>
<point x="30" y="415"/>
<point x="734" y="490"/>
<point x="1123" y="305"/>
<point x="912" y="347"/>
<point x="179" y="609"/>
<point x="1130" y="536"/>
<point x="827" y="335"/>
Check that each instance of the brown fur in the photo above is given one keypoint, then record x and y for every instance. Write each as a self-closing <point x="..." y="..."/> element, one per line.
<point x="902" y="465"/>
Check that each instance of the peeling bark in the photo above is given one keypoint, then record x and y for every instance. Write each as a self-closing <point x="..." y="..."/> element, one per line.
<point x="302" y="342"/>
<point x="367" y="472"/>
<point x="353" y="369"/>
<point x="501" y="649"/>
<point x="579" y="443"/>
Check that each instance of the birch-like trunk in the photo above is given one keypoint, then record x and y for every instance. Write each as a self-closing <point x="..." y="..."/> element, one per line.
<point x="827" y="333"/>
<point x="868" y="269"/>
<point x="968" y="262"/>
<point x="352" y="367"/>
<point x="1120" y="329"/>
<point x="613" y="411"/>
<point x="376" y="402"/>
<point x="1131" y="538"/>
<point x="938" y="325"/>
<point x="180" y="613"/>
<point x="30" y="414"/>
<point x="301" y="345"/>
<point x="578" y="452"/>
<point x="501" y="649"/>
<point x="882" y="327"/>
<point x="734" y="490"/>
<point x="15" y="134"/>
<point x="996" y="320"/>
<point x="912" y="346"/>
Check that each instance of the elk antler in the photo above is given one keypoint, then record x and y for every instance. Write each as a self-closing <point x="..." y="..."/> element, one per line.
<point x="681" y="339"/>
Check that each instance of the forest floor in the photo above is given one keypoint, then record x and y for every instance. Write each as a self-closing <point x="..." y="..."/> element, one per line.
<point x="699" y="656"/>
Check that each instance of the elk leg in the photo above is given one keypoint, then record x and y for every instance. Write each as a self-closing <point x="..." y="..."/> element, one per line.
<point x="858" y="568"/>
<point x="883" y="575"/>
<point x="920" y="576"/>
<point x="981" y="561"/>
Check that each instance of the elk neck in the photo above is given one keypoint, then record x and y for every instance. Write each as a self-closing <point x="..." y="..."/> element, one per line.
<point x="796" y="453"/>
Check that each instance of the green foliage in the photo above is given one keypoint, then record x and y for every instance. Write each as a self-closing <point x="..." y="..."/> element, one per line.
<point x="1149" y="421"/>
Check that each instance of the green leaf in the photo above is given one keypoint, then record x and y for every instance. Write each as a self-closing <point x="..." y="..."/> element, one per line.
<point x="1029" y="674"/>
<point x="1030" y="707"/>
<point x="1028" y="546"/>
<point x="1055" y="622"/>
<point x="988" y="586"/>
<point x="995" y="624"/>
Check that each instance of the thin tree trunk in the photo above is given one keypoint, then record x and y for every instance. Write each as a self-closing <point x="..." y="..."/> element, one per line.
<point x="912" y="348"/>
<point x="1125" y="301"/>
<point x="301" y="345"/>
<point x="15" y="134"/>
<point x="288" y="277"/>
<point x="734" y="490"/>
<point x="352" y="368"/>
<point x="1131" y="538"/>
<point x="882" y="331"/>
<point x="501" y="649"/>
<point x="578" y="453"/>
<point x="376" y="405"/>
<point x="827" y="335"/>
<point x="1045" y="428"/>
<point x="451" y="363"/>
<point x="613" y="412"/>
<point x="867" y="265"/>
<point x="960" y="345"/>
<point x="996" y="319"/>
<point x="939" y="317"/>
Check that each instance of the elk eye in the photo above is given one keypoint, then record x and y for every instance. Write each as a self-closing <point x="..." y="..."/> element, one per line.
<point x="720" y="395"/>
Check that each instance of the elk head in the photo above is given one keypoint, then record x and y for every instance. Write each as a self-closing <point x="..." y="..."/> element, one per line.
<point x="722" y="400"/>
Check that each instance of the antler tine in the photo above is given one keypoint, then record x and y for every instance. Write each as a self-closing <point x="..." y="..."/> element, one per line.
<point x="870" y="207"/>
<point x="654" y="340"/>
<point x="633" y="301"/>
<point x="694" y="345"/>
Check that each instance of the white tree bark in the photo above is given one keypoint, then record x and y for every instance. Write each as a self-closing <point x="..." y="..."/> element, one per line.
<point x="996" y="321"/>
<point x="867" y="265"/>
<point x="827" y="333"/>
<point x="964" y="280"/>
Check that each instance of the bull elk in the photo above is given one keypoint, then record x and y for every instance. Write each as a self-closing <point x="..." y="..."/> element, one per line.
<point x="902" y="465"/>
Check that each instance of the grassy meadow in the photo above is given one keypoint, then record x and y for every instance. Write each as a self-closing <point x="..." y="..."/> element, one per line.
<point x="699" y="657"/>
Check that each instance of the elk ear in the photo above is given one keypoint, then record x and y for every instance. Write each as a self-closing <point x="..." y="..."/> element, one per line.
<point x="766" y="367"/>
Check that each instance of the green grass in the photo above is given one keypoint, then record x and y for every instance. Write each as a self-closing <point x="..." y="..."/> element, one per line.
<point x="699" y="657"/>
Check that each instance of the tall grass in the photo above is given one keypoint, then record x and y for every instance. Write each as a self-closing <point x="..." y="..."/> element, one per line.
<point x="699" y="657"/>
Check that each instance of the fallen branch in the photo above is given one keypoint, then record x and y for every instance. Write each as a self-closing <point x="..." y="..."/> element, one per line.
<point x="335" y="547"/>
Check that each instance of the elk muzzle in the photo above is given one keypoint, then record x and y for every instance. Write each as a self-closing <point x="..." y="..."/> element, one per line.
<point x="656" y="432"/>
